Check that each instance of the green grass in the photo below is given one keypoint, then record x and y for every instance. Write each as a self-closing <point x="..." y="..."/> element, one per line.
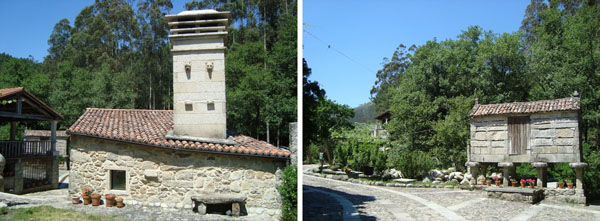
<point x="49" y="213"/>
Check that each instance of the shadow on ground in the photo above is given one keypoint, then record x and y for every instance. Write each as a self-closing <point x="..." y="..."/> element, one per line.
<point x="320" y="206"/>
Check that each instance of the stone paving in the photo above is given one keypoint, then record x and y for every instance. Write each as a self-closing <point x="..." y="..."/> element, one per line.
<point x="402" y="203"/>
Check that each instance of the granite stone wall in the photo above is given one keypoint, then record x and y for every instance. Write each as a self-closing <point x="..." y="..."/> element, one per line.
<point x="169" y="178"/>
<point x="553" y="137"/>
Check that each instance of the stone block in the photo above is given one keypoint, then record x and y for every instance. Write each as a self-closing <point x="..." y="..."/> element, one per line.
<point x="151" y="173"/>
<point x="498" y="143"/>
<point x="498" y="135"/>
<point x="565" y="141"/>
<point x="565" y="132"/>
<point x="499" y="151"/>
<point x="545" y="133"/>
<point x="475" y="143"/>
<point x="480" y="136"/>
<point x="565" y="149"/>
<point x="541" y="142"/>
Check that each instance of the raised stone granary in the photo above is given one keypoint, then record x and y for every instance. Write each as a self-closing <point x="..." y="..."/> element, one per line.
<point x="537" y="132"/>
<point x="164" y="157"/>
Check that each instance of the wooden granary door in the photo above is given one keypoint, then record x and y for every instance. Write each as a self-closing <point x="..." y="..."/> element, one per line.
<point x="518" y="134"/>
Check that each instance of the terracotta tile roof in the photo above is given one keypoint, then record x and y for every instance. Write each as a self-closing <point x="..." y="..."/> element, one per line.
<point x="563" y="104"/>
<point x="44" y="133"/>
<point x="7" y="92"/>
<point x="149" y="127"/>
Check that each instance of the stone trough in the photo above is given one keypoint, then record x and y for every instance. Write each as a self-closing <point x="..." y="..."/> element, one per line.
<point x="516" y="194"/>
<point x="202" y="201"/>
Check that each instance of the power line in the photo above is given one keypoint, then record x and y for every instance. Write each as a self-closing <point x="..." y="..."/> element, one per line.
<point x="338" y="51"/>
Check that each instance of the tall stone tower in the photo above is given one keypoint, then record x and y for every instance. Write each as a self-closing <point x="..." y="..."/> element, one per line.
<point x="198" y="49"/>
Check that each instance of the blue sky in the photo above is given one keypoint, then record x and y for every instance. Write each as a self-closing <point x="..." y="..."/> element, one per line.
<point x="27" y="24"/>
<point x="362" y="33"/>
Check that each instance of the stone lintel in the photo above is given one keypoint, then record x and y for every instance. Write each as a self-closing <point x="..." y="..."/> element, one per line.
<point x="506" y="164"/>
<point x="219" y="198"/>
<point x="472" y="164"/>
<point x="578" y="165"/>
<point x="539" y="164"/>
<point x="526" y="191"/>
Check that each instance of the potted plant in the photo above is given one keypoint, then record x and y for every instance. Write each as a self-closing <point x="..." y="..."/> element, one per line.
<point x="561" y="184"/>
<point x="531" y="183"/>
<point x="109" y="198"/>
<point x="86" y="192"/>
<point x="347" y="170"/>
<point x="489" y="182"/>
<point x="95" y="199"/>
<point x="75" y="198"/>
<point x="482" y="181"/>
<point x="497" y="180"/>
<point x="569" y="183"/>
<point x="522" y="183"/>
<point x="514" y="182"/>
<point x="120" y="202"/>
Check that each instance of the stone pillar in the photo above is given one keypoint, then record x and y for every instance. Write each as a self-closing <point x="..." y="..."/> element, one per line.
<point x="18" y="178"/>
<point x="52" y="170"/>
<point x="294" y="143"/>
<point x="579" y="173"/>
<point x="541" y="173"/>
<point x="473" y="166"/>
<point x="506" y="170"/>
<point x="2" y="163"/>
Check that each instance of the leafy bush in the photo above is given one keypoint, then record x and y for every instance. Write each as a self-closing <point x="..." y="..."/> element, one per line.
<point x="591" y="173"/>
<point x="413" y="164"/>
<point x="525" y="170"/>
<point x="289" y="193"/>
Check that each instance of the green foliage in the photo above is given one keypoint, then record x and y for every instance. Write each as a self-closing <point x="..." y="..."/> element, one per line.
<point x="289" y="192"/>
<point x="413" y="164"/>
<point x="525" y="170"/>
<point x="592" y="172"/>
<point x="364" y="113"/>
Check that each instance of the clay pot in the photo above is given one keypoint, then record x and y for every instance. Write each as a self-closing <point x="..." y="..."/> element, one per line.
<point x="75" y="198"/>
<point x="522" y="184"/>
<point x="531" y="185"/>
<point x="120" y="202"/>
<point x="482" y="182"/>
<point x="95" y="199"/>
<point x="347" y="171"/>
<point x="497" y="182"/>
<point x="561" y="185"/>
<point x="86" y="199"/>
<point x="489" y="182"/>
<point x="109" y="200"/>
<point x="514" y="183"/>
<point x="570" y="185"/>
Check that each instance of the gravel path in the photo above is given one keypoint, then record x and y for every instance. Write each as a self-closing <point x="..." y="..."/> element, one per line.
<point x="400" y="203"/>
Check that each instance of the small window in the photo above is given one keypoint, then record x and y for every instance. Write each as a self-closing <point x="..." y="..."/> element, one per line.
<point x="189" y="107"/>
<point x="210" y="106"/>
<point x="117" y="180"/>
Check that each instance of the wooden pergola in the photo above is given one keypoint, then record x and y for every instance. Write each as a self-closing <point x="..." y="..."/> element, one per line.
<point x="19" y="105"/>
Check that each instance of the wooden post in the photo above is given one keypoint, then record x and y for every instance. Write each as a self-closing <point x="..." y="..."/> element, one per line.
<point x="13" y="130"/>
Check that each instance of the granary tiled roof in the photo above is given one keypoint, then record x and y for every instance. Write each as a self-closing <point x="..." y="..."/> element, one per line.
<point x="44" y="133"/>
<point x="150" y="127"/>
<point x="7" y="93"/>
<point x="563" y="104"/>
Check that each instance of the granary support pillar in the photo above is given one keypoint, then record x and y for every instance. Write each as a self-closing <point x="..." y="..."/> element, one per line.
<point x="542" y="176"/>
<point x="579" y="173"/>
<point x="506" y="171"/>
<point x="473" y="166"/>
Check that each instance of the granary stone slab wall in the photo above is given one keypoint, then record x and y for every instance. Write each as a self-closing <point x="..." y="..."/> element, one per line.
<point x="553" y="137"/>
<point x="171" y="177"/>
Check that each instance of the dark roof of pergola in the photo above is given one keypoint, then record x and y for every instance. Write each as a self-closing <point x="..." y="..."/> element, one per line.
<point x="18" y="104"/>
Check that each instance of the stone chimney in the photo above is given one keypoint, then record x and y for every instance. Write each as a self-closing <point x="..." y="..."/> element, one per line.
<point x="197" y="39"/>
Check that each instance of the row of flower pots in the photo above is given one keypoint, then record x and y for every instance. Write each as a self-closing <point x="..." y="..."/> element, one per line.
<point x="525" y="182"/>
<point x="110" y="200"/>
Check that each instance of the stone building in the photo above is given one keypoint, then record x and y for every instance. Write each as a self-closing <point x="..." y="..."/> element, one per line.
<point x="538" y="132"/>
<point x="62" y="138"/>
<point x="165" y="157"/>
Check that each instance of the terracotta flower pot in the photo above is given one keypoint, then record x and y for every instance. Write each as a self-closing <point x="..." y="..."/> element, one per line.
<point x="482" y="182"/>
<point x="514" y="183"/>
<point x="86" y="199"/>
<point x="95" y="199"/>
<point x="109" y="200"/>
<point x="489" y="182"/>
<point x="531" y="185"/>
<point x="522" y="184"/>
<point x="120" y="202"/>
<point x="497" y="182"/>
<point x="75" y="198"/>
<point x="561" y="185"/>
<point x="570" y="185"/>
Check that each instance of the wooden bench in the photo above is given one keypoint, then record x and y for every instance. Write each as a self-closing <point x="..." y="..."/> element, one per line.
<point x="201" y="201"/>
